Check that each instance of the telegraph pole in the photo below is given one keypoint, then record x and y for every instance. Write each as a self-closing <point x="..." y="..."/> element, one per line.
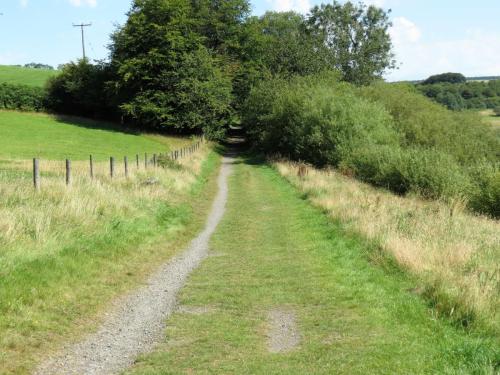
<point x="82" y="26"/>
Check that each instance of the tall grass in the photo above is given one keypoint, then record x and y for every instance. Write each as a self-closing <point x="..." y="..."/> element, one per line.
<point x="454" y="255"/>
<point x="65" y="251"/>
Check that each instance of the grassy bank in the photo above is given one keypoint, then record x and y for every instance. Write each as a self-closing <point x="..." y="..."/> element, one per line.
<point x="455" y="255"/>
<point x="66" y="252"/>
<point x="28" y="135"/>
<point x="275" y="252"/>
<point x="25" y="76"/>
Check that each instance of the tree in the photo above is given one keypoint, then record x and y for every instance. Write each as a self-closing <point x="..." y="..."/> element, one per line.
<point x="166" y="77"/>
<point x="80" y="89"/>
<point x="357" y="38"/>
<point x="445" y="77"/>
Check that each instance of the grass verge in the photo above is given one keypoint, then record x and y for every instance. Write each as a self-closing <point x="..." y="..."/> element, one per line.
<point x="274" y="251"/>
<point x="454" y="254"/>
<point x="66" y="252"/>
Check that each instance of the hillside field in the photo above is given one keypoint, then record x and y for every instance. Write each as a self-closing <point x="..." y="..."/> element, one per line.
<point x="28" y="135"/>
<point x="25" y="76"/>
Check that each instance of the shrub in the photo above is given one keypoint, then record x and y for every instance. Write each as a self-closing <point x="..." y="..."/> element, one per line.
<point x="80" y="89"/>
<point x="388" y="135"/>
<point x="487" y="197"/>
<point x="314" y="118"/>
<point x="22" y="98"/>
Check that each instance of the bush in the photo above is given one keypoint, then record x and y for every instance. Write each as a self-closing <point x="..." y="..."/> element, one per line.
<point x="487" y="197"/>
<point x="497" y="110"/>
<point x="387" y="135"/>
<point x="314" y="118"/>
<point x="80" y="89"/>
<point x="22" y="98"/>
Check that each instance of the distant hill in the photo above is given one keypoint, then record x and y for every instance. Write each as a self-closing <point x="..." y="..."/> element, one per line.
<point x="25" y="76"/>
<point x="469" y="79"/>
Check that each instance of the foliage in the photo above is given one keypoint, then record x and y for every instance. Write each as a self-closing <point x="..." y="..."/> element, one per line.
<point x="445" y="77"/>
<point x="21" y="97"/>
<point x="165" y="77"/>
<point x="356" y="37"/>
<point x="388" y="135"/>
<point x="80" y="89"/>
<point x="497" y="110"/>
<point x="464" y="95"/>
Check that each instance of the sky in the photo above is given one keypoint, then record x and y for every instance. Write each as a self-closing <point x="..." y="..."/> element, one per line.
<point x="429" y="36"/>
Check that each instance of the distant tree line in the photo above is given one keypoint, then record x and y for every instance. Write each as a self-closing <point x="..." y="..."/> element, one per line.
<point x="39" y="66"/>
<point x="453" y="91"/>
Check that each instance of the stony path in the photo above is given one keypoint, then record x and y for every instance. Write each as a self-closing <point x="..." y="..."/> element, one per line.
<point x="136" y="323"/>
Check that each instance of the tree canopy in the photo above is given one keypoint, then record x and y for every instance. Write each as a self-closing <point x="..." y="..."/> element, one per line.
<point x="188" y="65"/>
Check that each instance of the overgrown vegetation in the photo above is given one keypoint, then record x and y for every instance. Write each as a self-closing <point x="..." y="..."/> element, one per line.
<point x="22" y="97"/>
<point x="388" y="135"/>
<point x="460" y="95"/>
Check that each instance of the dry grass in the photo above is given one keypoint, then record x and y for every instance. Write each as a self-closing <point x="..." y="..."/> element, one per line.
<point x="37" y="220"/>
<point x="456" y="255"/>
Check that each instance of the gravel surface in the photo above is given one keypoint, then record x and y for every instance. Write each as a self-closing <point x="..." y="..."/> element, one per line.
<point x="136" y="323"/>
<point x="283" y="334"/>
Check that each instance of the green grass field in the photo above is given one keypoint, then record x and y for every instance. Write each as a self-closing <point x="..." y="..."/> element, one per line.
<point x="25" y="76"/>
<point x="354" y="316"/>
<point x="28" y="135"/>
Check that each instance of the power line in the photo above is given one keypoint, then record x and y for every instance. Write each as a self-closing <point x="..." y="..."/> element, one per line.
<point x="82" y="26"/>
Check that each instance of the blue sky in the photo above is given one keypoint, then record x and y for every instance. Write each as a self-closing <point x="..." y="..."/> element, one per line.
<point x="430" y="36"/>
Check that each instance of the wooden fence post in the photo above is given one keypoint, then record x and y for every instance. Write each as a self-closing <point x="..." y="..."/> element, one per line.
<point x="36" y="173"/>
<point x="137" y="160"/>
<point x="68" y="172"/>
<point x="145" y="160"/>
<point x="91" y="160"/>
<point x="125" y="162"/>
<point x="112" y="167"/>
<point x="154" y="160"/>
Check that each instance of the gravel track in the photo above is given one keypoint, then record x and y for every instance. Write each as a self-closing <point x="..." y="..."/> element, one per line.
<point x="137" y="322"/>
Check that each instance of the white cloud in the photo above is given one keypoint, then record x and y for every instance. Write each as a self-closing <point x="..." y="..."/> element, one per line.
<point x="475" y="53"/>
<point x="23" y="3"/>
<point x="404" y="31"/>
<point x="301" y="6"/>
<point x="78" y="3"/>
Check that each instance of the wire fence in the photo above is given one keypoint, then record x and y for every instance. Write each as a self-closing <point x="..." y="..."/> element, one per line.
<point x="148" y="161"/>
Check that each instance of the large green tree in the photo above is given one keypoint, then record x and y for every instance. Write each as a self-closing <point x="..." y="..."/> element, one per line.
<point x="166" y="76"/>
<point x="357" y="38"/>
